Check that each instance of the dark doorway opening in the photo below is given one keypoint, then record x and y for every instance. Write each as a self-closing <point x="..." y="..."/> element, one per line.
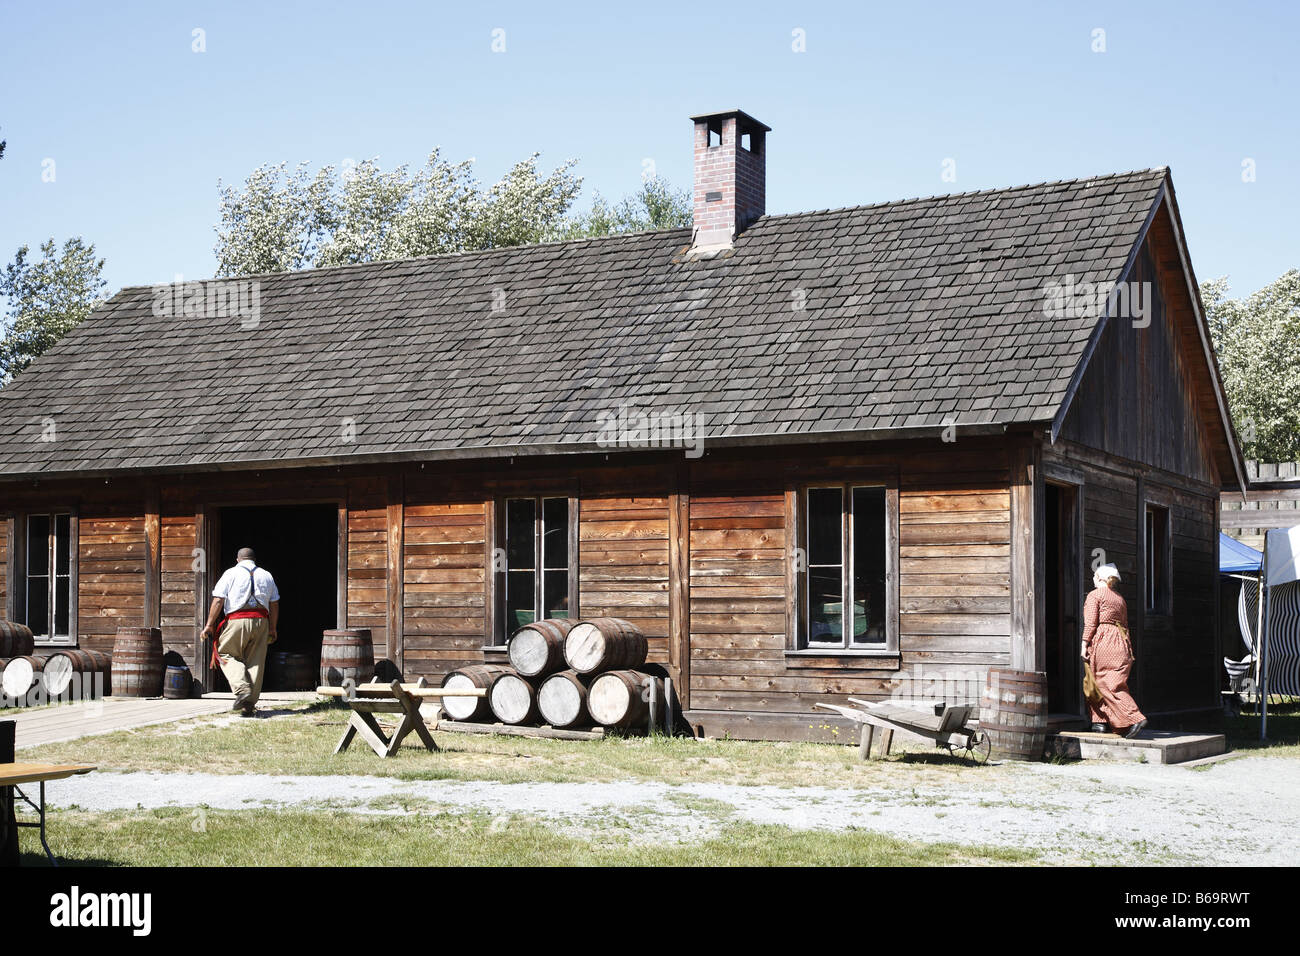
<point x="299" y="546"/>
<point x="1062" y="600"/>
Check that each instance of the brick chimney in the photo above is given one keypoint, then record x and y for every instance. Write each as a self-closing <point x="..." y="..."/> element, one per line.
<point x="730" y="176"/>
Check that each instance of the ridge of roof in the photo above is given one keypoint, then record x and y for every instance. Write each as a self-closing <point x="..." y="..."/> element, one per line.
<point x="581" y="241"/>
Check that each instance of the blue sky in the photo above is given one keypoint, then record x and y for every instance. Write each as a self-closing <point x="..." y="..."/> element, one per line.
<point x="140" y="127"/>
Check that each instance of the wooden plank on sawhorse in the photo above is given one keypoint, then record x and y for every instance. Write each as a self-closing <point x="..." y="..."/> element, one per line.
<point x="363" y="723"/>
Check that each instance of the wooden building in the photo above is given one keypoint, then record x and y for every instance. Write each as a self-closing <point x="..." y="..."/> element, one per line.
<point x="927" y="412"/>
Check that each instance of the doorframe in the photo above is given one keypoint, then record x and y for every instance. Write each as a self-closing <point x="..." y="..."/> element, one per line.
<point x="1071" y="539"/>
<point x="208" y="535"/>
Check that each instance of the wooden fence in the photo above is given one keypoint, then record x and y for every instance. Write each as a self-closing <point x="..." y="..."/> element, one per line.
<point x="1272" y="501"/>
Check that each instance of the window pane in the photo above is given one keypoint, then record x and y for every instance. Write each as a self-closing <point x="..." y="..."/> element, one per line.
<point x="555" y="533"/>
<point x="521" y="517"/>
<point x="825" y="602"/>
<point x="825" y="513"/>
<point x="868" y="565"/>
<point x="519" y="600"/>
<point x="555" y="602"/>
<point x="62" y="542"/>
<point x="38" y="544"/>
<point x="61" y="608"/>
<point x="38" y="606"/>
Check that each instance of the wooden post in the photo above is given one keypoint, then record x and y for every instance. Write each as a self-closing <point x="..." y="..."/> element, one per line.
<point x="394" y="577"/>
<point x="1025" y="506"/>
<point x="153" y="558"/>
<point x="864" y="740"/>
<point x="679" y="584"/>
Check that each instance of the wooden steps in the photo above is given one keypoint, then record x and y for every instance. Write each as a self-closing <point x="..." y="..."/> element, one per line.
<point x="1153" y="746"/>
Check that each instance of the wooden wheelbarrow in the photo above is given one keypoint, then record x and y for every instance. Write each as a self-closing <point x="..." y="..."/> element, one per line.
<point x="366" y="700"/>
<point x="947" y="727"/>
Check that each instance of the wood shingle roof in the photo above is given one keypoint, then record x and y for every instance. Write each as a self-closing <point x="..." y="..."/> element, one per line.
<point x="864" y="321"/>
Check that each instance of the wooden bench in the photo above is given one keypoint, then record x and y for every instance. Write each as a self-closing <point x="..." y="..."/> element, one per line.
<point x="366" y="700"/>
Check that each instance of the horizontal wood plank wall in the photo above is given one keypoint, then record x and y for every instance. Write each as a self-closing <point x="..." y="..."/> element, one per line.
<point x="737" y="605"/>
<point x="623" y="564"/>
<point x="955" y="571"/>
<point x="111" y="564"/>
<point x="177" y="619"/>
<point x="368" y="560"/>
<point x="444" y="577"/>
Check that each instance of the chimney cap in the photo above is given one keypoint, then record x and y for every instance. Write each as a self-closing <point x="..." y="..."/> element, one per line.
<point x="741" y="115"/>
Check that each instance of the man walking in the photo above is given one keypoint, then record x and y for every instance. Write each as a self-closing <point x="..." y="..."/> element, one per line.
<point x="248" y="597"/>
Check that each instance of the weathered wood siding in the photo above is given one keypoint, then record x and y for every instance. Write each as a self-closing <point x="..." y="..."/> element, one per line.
<point x="177" y="597"/>
<point x="444" y="569"/>
<point x="4" y="564"/>
<point x="367" y="600"/>
<point x="623" y="564"/>
<point x="111" y="559"/>
<point x="1136" y="399"/>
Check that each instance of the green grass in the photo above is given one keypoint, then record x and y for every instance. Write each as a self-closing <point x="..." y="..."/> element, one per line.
<point x="1283" y="732"/>
<point x="191" y="837"/>
<point x="303" y="743"/>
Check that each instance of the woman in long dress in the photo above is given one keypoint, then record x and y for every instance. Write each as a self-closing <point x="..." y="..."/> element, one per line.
<point x="1106" y="646"/>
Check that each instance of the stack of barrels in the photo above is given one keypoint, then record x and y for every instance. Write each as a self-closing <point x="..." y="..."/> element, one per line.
<point x="65" y="673"/>
<point x="564" y="674"/>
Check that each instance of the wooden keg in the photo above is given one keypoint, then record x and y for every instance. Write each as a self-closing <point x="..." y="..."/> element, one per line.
<point x="562" y="700"/>
<point x="82" y="673"/>
<point x="288" y="670"/>
<point x="20" y="675"/>
<point x="622" y="698"/>
<point x="138" y="662"/>
<point x="16" y="640"/>
<point x="537" y="649"/>
<point x="176" y="682"/>
<point x="346" y="655"/>
<point x="1013" y="712"/>
<point x="476" y="709"/>
<point x="604" y="643"/>
<point x="513" y="700"/>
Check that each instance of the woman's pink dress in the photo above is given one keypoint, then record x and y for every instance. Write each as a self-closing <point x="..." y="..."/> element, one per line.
<point x="1105" y="634"/>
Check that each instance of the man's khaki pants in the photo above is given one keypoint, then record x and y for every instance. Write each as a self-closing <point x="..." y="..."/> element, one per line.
<point x="242" y="647"/>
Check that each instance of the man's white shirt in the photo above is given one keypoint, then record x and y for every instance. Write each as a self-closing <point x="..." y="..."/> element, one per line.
<point x="234" y="586"/>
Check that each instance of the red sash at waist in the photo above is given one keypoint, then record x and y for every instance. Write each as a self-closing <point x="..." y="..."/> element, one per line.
<point x="252" y="612"/>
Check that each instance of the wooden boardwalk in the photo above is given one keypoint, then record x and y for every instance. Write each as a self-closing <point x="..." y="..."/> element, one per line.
<point x="48" y="725"/>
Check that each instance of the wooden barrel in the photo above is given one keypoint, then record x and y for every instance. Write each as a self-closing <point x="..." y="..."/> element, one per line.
<point x="346" y="655"/>
<point x="621" y="698"/>
<point x="513" y="700"/>
<point x="476" y="709"/>
<point x="16" y="640"/>
<point x="537" y="649"/>
<point x="562" y="700"/>
<point x="83" y="674"/>
<point x="138" y="662"/>
<point x="287" y="670"/>
<point x="604" y="643"/>
<point x="21" y="674"/>
<point x="176" y="683"/>
<point x="1013" y="712"/>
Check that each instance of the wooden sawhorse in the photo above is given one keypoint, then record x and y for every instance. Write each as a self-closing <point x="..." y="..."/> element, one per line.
<point x="366" y="700"/>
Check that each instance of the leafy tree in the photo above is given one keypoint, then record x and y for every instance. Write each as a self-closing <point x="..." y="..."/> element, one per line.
<point x="1258" y="343"/>
<point x="47" y="299"/>
<point x="280" y="221"/>
<point x="656" y="205"/>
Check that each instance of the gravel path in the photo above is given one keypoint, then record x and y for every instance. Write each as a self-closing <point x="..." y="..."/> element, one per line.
<point x="1241" y="811"/>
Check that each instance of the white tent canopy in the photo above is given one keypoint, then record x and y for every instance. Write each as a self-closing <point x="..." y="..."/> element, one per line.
<point x="1282" y="555"/>
<point x="1279" y="641"/>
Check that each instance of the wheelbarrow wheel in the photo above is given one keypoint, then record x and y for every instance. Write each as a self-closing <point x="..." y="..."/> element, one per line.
<point x="976" y="748"/>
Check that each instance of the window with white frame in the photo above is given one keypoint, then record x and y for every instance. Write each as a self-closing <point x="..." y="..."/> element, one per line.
<point x="537" y="580"/>
<point x="844" y="588"/>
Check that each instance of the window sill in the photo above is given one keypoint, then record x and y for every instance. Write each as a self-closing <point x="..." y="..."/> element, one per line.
<point x="849" y="657"/>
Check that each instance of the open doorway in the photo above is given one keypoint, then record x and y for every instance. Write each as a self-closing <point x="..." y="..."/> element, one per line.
<point x="299" y="545"/>
<point x="1062" y="600"/>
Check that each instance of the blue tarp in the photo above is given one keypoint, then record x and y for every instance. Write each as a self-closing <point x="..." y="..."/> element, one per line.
<point x="1237" y="558"/>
